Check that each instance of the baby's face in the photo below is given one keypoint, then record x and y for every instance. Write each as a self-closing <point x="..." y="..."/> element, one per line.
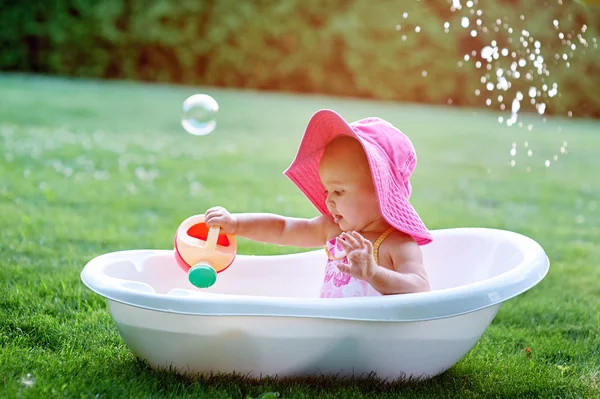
<point x="351" y="196"/>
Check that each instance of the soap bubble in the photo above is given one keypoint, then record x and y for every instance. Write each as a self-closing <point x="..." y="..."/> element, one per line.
<point x="199" y="114"/>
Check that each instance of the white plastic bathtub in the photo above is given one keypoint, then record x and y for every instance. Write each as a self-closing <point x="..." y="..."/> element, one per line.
<point x="263" y="316"/>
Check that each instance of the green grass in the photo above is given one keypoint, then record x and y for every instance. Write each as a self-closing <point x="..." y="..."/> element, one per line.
<point x="90" y="167"/>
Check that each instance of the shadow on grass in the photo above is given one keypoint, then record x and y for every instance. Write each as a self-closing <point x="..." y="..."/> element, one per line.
<point x="452" y="383"/>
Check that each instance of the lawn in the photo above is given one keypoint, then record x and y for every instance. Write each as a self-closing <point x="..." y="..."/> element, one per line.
<point x="90" y="167"/>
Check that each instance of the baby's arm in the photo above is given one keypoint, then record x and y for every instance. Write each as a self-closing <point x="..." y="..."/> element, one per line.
<point x="407" y="273"/>
<point x="282" y="230"/>
<point x="274" y="229"/>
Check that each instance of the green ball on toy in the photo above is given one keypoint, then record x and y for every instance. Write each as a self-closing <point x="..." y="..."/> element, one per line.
<point x="202" y="275"/>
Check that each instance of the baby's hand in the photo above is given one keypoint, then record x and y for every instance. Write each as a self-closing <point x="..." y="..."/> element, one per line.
<point x="219" y="217"/>
<point x="359" y="250"/>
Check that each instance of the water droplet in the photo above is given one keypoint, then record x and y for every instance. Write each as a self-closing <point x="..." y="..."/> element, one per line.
<point x="446" y="25"/>
<point x="555" y="23"/>
<point x="541" y="107"/>
<point x="512" y="163"/>
<point x="532" y="92"/>
<point x="529" y="153"/>
<point x="530" y="127"/>
<point x="199" y="114"/>
<point x="500" y="119"/>
<point x="417" y="29"/>
<point x="570" y="114"/>
<point x="405" y="15"/>
<point x="424" y="73"/>
<point x="503" y="83"/>
<point x="516" y="106"/>
<point x="473" y="33"/>
<point x="464" y="22"/>
<point x="547" y="163"/>
<point x="398" y="27"/>
<point x="487" y="52"/>
<point x="513" y="152"/>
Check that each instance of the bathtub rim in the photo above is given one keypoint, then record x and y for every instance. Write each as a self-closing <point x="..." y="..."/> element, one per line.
<point x="437" y="304"/>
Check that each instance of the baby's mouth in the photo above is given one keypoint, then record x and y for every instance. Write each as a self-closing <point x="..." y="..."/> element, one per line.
<point x="337" y="218"/>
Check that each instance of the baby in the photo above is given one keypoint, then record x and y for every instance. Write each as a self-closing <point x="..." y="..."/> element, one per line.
<point x="357" y="176"/>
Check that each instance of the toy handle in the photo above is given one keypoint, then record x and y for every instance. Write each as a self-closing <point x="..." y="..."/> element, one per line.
<point x="211" y="239"/>
<point x="203" y="274"/>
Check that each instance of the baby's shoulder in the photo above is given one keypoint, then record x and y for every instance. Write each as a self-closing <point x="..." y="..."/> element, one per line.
<point x="398" y="247"/>
<point x="396" y="238"/>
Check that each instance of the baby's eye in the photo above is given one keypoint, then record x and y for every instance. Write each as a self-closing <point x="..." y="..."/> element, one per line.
<point x="338" y="192"/>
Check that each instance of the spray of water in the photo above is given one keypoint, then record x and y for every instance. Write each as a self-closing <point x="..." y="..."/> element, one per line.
<point x="516" y="66"/>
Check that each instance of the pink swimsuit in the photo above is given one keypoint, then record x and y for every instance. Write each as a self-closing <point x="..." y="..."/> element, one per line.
<point x="339" y="285"/>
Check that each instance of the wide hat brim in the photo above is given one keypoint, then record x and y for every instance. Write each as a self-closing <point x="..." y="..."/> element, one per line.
<point x="324" y="126"/>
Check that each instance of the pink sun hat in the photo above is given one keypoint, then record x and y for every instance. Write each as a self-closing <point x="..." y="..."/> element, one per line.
<point x="392" y="160"/>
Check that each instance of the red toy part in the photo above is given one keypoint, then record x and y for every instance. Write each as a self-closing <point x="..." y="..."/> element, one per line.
<point x="194" y="239"/>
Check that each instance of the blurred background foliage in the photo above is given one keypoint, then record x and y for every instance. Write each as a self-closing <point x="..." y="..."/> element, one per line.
<point x="415" y="51"/>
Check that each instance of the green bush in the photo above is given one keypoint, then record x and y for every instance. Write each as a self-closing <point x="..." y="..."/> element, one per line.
<point x="348" y="48"/>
